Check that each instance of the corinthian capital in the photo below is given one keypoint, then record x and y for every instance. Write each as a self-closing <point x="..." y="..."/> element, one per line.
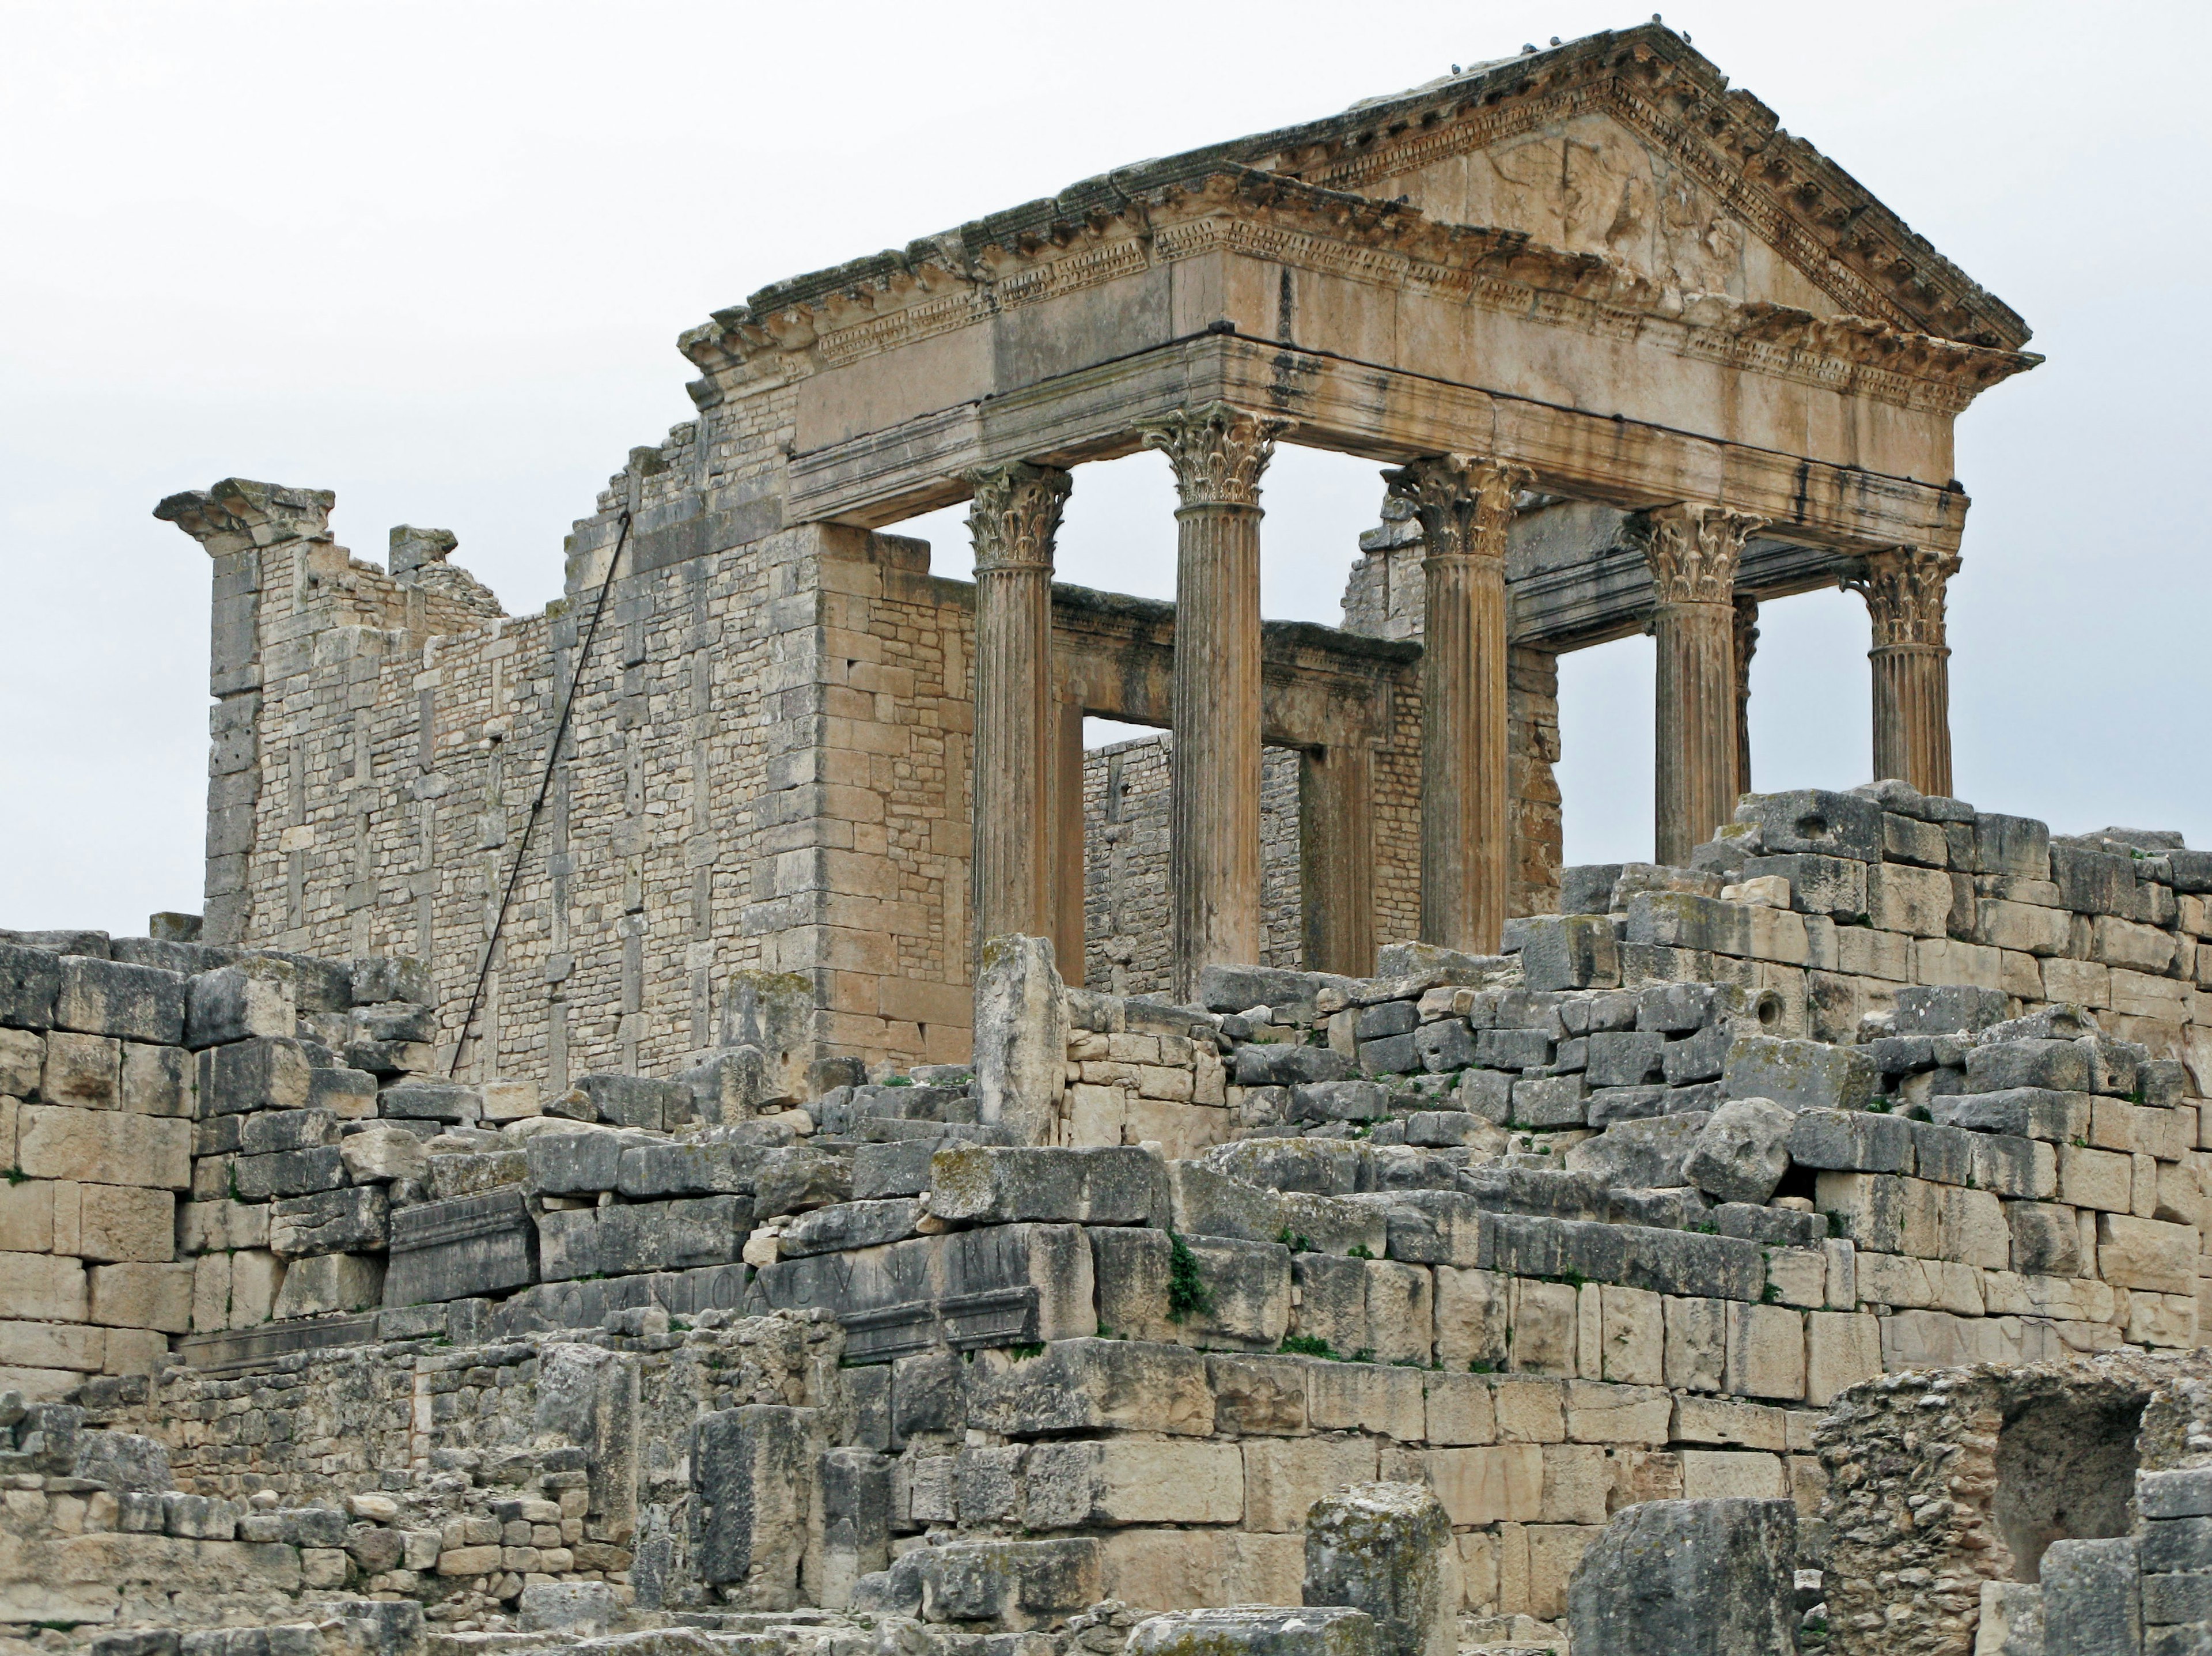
<point x="1015" y="514"/>
<point x="1218" y="452"/>
<point x="1693" y="550"/>
<point x="1464" y="502"/>
<point x="1904" y="590"/>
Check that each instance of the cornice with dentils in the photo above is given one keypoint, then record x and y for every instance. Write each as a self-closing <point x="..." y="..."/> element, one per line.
<point x="895" y="299"/>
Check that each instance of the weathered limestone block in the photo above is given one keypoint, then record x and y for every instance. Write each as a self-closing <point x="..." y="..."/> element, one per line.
<point x="1241" y="1296"/>
<point x="287" y="1172"/>
<point x="107" y="997"/>
<point x="1640" y="1154"/>
<point x="582" y="1164"/>
<point x="1854" y="1141"/>
<point x="1092" y="1386"/>
<point x="587" y="1608"/>
<point x="1387" y="1549"/>
<point x="430" y="1101"/>
<point x="104" y="1146"/>
<point x="265" y="1073"/>
<point x="354" y="1220"/>
<point x="855" y="1500"/>
<point x="1573" y="951"/>
<point x="330" y="1282"/>
<point x="1252" y="1630"/>
<point x="379" y="1154"/>
<point x="142" y="1296"/>
<point x="1120" y="1480"/>
<point x="454" y="1250"/>
<point x="2012" y="1620"/>
<point x="30" y="983"/>
<point x="619" y="1240"/>
<point x="1020" y="1036"/>
<point x="254" y="997"/>
<point x="1799" y="1075"/>
<point x="993" y="1185"/>
<point x="754" y="1470"/>
<point x="1689" y="1578"/>
<point x="845" y="1226"/>
<point x="794" y="1179"/>
<point x="1741" y="1153"/>
<point x="123" y="1461"/>
<point x="2092" y="1597"/>
<point x="1010" y="1584"/>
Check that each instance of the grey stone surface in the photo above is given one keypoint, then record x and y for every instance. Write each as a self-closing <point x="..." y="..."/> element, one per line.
<point x="637" y="1101"/>
<point x="1945" y="1009"/>
<point x="1092" y="1386"/>
<point x="1742" y="1151"/>
<point x="1571" y="951"/>
<point x="1645" y="1154"/>
<point x="986" y="1185"/>
<point x="1813" y="820"/>
<point x="266" y="1073"/>
<point x="1854" y="1141"/>
<point x="642" y="1236"/>
<point x="2092" y="1597"/>
<point x="586" y="1608"/>
<point x="648" y="1172"/>
<point x="353" y="1220"/>
<point x="753" y="1468"/>
<point x="107" y="997"/>
<point x="122" y="1461"/>
<point x="286" y="1173"/>
<point x="1799" y="1075"/>
<point x="1689" y="1578"/>
<point x="575" y="1164"/>
<point x="1344" y="1100"/>
<point x="1253" y="1630"/>
<point x="1550" y="1101"/>
<point x="2030" y="1112"/>
<point x="847" y="1225"/>
<point x="2057" y="1066"/>
<point x="793" y="1179"/>
<point x="470" y="1245"/>
<point x="428" y="1101"/>
<point x="1387" y="1549"/>
<point x="1278" y="1063"/>
<point x="2182" y="1494"/>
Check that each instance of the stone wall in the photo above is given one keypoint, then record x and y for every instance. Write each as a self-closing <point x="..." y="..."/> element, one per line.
<point x="1125" y="890"/>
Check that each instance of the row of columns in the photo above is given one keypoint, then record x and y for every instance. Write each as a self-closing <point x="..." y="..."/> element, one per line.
<point x="1028" y="749"/>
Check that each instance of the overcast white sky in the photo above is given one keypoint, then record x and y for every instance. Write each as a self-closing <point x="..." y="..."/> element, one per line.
<point x="435" y="257"/>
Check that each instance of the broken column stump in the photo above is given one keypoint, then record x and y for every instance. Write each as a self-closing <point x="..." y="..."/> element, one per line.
<point x="1387" y="1549"/>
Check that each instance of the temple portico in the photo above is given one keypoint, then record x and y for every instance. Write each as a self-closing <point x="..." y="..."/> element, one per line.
<point x="759" y="756"/>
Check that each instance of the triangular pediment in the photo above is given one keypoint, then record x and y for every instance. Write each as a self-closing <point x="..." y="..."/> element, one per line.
<point x="1632" y="145"/>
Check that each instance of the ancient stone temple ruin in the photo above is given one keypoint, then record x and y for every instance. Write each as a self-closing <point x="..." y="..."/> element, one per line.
<point x="704" y="1123"/>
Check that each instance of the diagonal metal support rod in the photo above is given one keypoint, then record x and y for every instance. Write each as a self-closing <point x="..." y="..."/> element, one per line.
<point x="544" y="792"/>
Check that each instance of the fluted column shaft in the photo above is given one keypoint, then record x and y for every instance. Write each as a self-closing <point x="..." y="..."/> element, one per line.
<point x="1692" y="551"/>
<point x="1905" y="589"/>
<point x="1746" y="642"/>
<point x="1015" y="516"/>
<point x="1218" y="453"/>
<point x="1464" y="505"/>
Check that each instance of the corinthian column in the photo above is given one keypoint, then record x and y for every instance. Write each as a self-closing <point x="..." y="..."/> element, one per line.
<point x="1015" y="514"/>
<point x="1464" y="505"/>
<point x="1693" y="551"/>
<point x="1213" y="846"/>
<point x="1904" y="589"/>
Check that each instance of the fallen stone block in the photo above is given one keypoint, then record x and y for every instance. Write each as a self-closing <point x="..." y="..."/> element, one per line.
<point x="428" y="1101"/>
<point x="123" y="1461"/>
<point x="1020" y="1035"/>
<point x="637" y="1101"/>
<point x="1742" y="1151"/>
<point x="1815" y="821"/>
<point x="648" y="1172"/>
<point x="794" y="1179"/>
<point x="1641" y="1154"/>
<point x="30" y="983"/>
<point x="1689" y="1578"/>
<point x="1344" y="1100"/>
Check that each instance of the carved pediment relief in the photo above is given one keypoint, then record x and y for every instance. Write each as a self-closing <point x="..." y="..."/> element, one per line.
<point x="1589" y="185"/>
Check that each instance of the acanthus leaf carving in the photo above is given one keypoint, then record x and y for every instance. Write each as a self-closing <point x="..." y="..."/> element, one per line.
<point x="1905" y="590"/>
<point x="1693" y="550"/>
<point x="1014" y="515"/>
<point x="1463" y="502"/>
<point x="1218" y="450"/>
